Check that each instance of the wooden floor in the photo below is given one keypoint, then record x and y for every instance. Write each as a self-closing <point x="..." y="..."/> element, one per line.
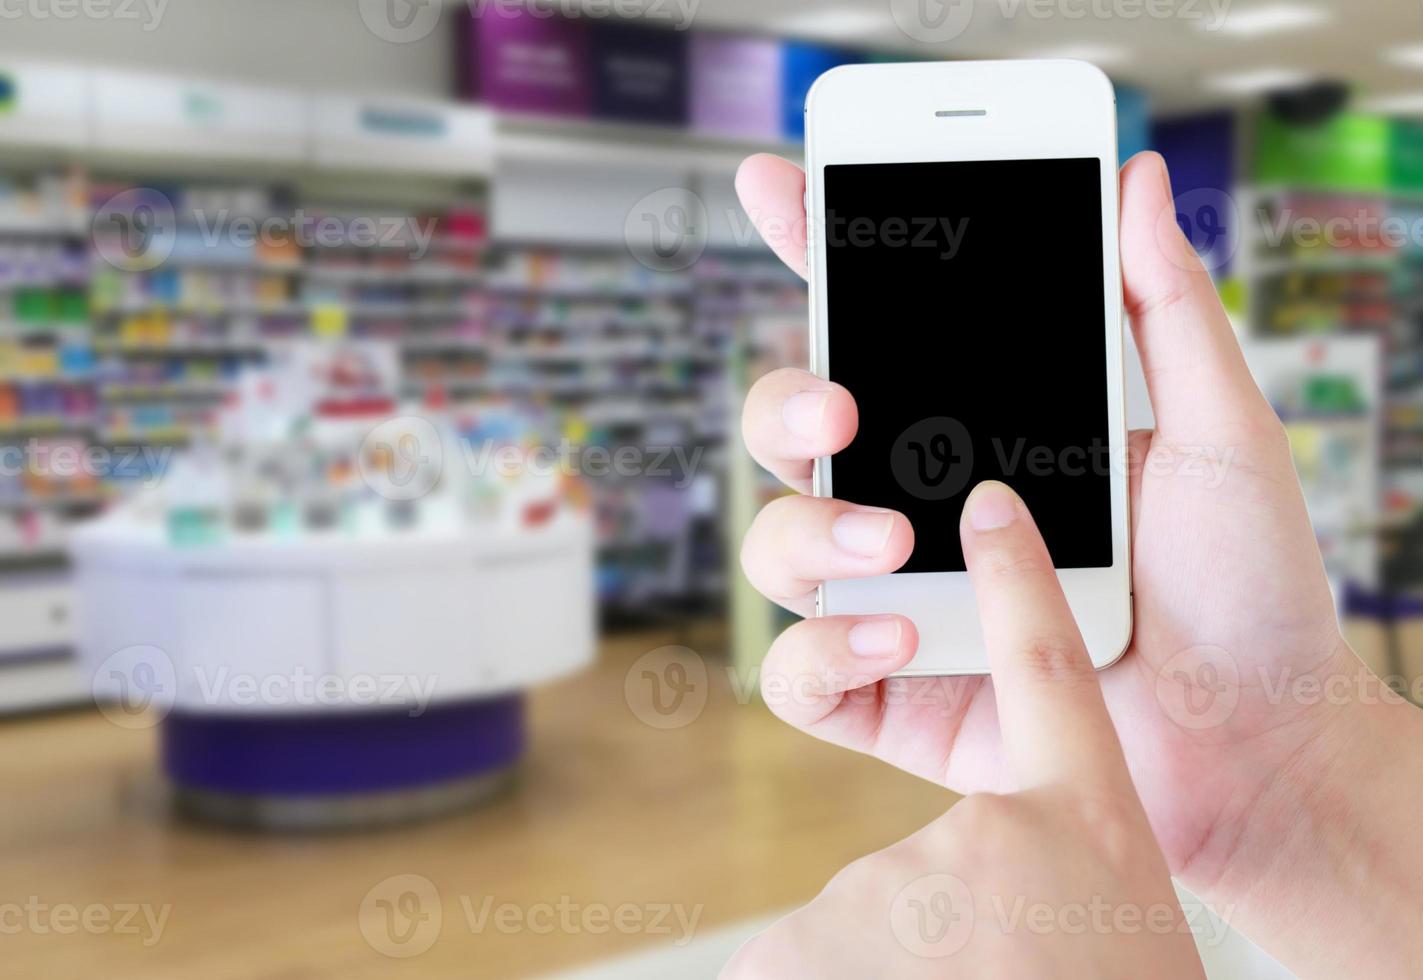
<point x="733" y="814"/>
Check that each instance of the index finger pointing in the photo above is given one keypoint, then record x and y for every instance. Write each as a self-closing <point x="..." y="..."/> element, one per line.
<point x="1054" y="722"/>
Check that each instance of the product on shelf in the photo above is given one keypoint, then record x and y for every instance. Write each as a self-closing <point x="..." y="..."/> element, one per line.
<point x="1347" y="263"/>
<point x="317" y="445"/>
<point x="143" y="341"/>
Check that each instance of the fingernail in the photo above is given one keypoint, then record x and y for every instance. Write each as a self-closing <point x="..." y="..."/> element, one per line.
<point x="875" y="637"/>
<point x="803" y="413"/>
<point x="863" y="532"/>
<point x="1165" y="176"/>
<point x="991" y="506"/>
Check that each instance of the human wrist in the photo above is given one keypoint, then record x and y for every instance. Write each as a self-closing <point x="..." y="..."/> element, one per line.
<point x="1322" y="839"/>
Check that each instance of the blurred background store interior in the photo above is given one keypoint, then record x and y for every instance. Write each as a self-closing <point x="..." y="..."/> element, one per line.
<point x="361" y="355"/>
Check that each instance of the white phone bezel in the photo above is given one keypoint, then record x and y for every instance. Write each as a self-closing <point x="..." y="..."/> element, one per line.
<point x="967" y="111"/>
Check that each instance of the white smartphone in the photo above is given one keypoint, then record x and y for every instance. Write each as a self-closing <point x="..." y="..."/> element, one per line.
<point x="966" y="289"/>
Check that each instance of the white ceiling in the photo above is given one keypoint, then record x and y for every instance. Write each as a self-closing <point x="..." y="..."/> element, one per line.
<point x="1173" y="48"/>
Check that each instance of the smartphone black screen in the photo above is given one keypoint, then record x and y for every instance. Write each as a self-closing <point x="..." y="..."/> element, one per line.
<point x="966" y="315"/>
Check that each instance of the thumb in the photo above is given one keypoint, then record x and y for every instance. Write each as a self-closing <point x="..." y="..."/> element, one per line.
<point x="1201" y="389"/>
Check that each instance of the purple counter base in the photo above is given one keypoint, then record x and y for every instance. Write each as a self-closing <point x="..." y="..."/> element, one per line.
<point x="342" y="768"/>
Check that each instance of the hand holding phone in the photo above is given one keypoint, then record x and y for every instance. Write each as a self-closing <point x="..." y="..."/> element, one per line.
<point x="1229" y="584"/>
<point x="1062" y="878"/>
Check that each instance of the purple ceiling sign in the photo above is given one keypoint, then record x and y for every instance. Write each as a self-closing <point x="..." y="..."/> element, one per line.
<point x="530" y="61"/>
<point x="736" y="86"/>
<point x="639" y="74"/>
